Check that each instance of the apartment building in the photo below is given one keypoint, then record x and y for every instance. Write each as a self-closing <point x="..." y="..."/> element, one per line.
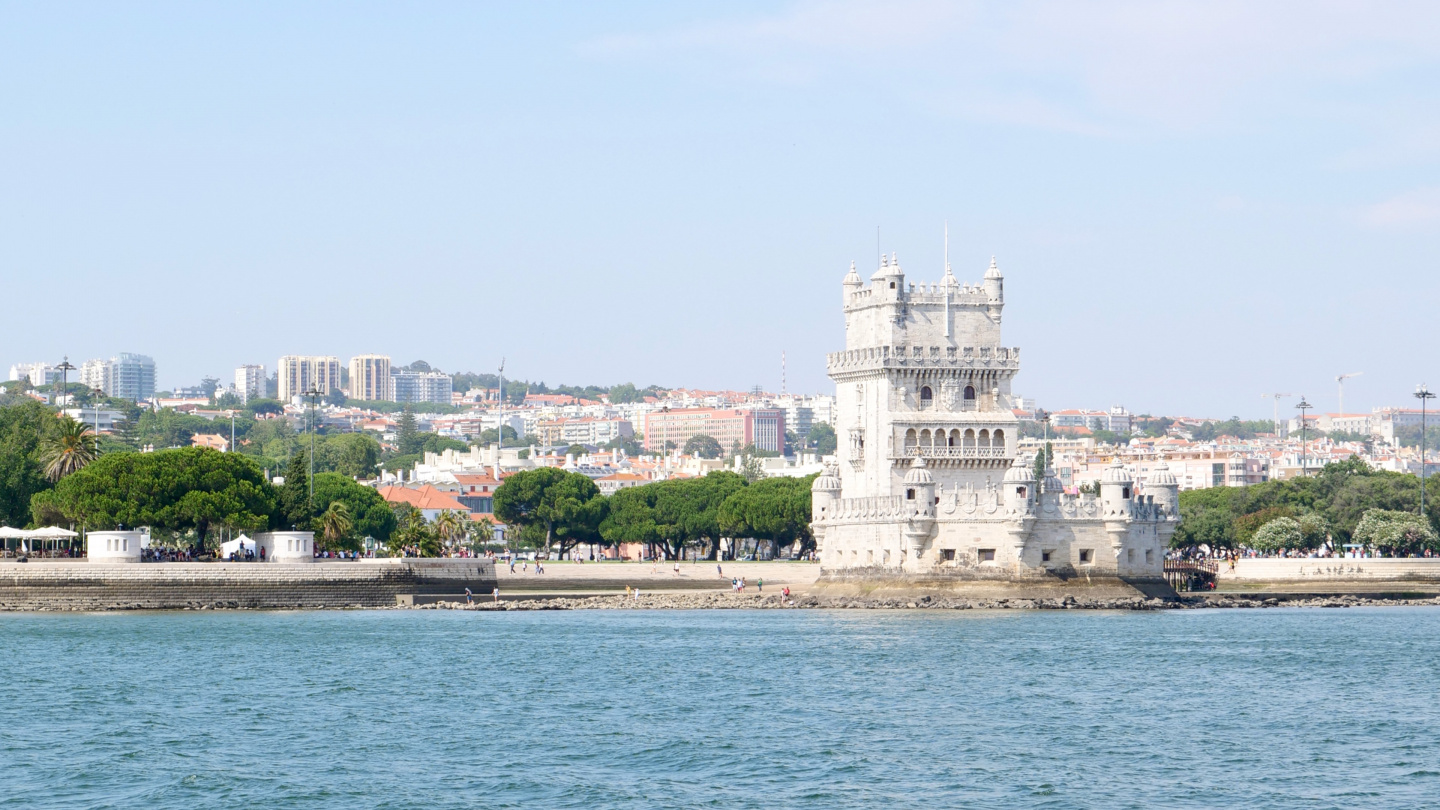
<point x="421" y="386"/>
<point x="299" y="374"/>
<point x="249" y="383"/>
<point x="370" y="378"/>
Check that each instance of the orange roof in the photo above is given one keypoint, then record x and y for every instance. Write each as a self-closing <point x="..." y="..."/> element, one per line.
<point x="425" y="497"/>
<point x="473" y="479"/>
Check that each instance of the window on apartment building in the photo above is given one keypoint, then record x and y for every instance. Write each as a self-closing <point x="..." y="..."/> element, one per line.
<point x="1217" y="475"/>
<point x="986" y="555"/>
<point x="1085" y="555"/>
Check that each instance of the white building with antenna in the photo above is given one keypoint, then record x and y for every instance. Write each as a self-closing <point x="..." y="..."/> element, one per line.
<point x="928" y="483"/>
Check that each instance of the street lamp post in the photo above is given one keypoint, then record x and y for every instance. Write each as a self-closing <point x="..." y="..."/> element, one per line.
<point x="1422" y="393"/>
<point x="314" y="395"/>
<point x="1303" y="405"/>
<point x="64" y="368"/>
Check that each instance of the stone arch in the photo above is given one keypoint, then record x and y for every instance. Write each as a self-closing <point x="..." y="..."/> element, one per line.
<point x="984" y="438"/>
<point x="968" y="398"/>
<point x="927" y="396"/>
<point x="910" y="440"/>
<point x="997" y="439"/>
<point x="954" y="438"/>
<point x="925" y="440"/>
<point x="969" y="438"/>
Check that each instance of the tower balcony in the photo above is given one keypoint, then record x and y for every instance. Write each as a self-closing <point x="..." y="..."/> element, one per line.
<point x="943" y="452"/>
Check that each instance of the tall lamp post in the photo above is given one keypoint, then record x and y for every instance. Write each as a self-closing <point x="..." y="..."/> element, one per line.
<point x="1422" y="393"/>
<point x="64" y="368"/>
<point x="314" y="395"/>
<point x="1303" y="405"/>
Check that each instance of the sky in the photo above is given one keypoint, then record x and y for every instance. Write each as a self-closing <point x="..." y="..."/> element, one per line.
<point x="1193" y="203"/>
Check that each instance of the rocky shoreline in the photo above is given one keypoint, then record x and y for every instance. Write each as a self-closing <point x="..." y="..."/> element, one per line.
<point x="727" y="601"/>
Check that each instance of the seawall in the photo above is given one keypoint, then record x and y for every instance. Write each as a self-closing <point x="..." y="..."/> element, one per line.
<point x="987" y="584"/>
<point x="1331" y="575"/>
<point x="80" y="585"/>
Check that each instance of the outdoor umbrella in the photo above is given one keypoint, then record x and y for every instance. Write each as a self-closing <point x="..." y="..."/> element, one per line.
<point x="8" y="532"/>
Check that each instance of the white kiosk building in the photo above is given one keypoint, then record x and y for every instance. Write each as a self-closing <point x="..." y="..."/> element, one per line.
<point x="287" y="547"/>
<point x="113" y="547"/>
<point x="928" y="483"/>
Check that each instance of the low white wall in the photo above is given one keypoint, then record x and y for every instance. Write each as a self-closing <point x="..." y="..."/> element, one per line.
<point x="287" y="547"/>
<point x="1274" y="569"/>
<point x="113" y="547"/>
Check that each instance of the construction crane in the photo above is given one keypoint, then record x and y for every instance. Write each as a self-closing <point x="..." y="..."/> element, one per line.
<point x="1276" y="416"/>
<point x="1340" y="381"/>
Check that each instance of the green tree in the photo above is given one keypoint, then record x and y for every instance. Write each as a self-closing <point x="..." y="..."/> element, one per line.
<point x="822" y="439"/>
<point x="407" y="436"/>
<point x="773" y="509"/>
<point x="68" y="449"/>
<point x="1277" y="534"/>
<point x="413" y="534"/>
<point x="631" y="516"/>
<point x="565" y="506"/>
<point x="184" y="490"/>
<point x="295" y="507"/>
<point x="335" y="525"/>
<point x="625" y="393"/>
<point x="370" y="515"/>
<point x="354" y="454"/>
<point x="1395" y="533"/>
<point x="689" y="508"/>
<point x="24" y="426"/>
<point x="450" y="526"/>
<point x="703" y="446"/>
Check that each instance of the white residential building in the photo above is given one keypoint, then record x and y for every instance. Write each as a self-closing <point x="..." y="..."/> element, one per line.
<point x="301" y="373"/>
<point x="249" y="383"/>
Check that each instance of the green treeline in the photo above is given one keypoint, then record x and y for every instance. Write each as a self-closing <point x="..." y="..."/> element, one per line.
<point x="1330" y="506"/>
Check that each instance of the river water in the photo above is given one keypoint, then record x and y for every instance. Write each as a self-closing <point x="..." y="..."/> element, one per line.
<point x="1280" y="708"/>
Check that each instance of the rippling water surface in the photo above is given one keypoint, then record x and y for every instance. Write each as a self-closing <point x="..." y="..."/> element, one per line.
<point x="725" y="709"/>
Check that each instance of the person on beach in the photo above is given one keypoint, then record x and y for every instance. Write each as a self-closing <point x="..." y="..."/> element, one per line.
<point x="718" y="572"/>
<point x="512" y="566"/>
<point x="496" y="594"/>
<point x="760" y="585"/>
<point x="468" y="598"/>
<point x="677" y="568"/>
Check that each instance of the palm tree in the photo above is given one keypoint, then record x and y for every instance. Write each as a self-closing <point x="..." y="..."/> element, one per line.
<point x="450" y="526"/>
<point x="69" y="450"/>
<point x="335" y="523"/>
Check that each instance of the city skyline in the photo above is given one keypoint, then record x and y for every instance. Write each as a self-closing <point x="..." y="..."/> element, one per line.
<point x="1242" y="200"/>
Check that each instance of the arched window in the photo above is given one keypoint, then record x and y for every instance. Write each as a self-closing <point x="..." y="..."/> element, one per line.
<point x="910" y="440"/>
<point x="927" y="397"/>
<point x="984" y="438"/>
<point x="969" y="439"/>
<point x="1020" y="491"/>
<point x="954" y="438"/>
<point x="998" y="438"/>
<point x="925" y="443"/>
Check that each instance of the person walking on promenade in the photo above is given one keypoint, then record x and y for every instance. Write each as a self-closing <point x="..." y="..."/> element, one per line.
<point x="760" y="585"/>
<point x="718" y="572"/>
<point x="677" y="568"/>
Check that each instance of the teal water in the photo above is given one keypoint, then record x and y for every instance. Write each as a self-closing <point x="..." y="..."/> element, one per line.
<point x="725" y="709"/>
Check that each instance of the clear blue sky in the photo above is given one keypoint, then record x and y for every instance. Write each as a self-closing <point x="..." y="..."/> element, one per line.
<point x="1193" y="203"/>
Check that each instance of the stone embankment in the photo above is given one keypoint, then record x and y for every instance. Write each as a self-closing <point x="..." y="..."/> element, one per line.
<point x="728" y="601"/>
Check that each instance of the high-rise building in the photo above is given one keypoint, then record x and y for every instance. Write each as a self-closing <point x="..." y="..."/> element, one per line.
<point x="421" y="386"/>
<point x="302" y="373"/>
<point x="370" y="377"/>
<point x="37" y="373"/>
<point x="124" y="376"/>
<point x="249" y="383"/>
<point x="132" y="376"/>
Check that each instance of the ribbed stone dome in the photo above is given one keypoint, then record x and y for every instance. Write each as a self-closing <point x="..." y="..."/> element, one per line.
<point x="1019" y="472"/>
<point x="1052" y="481"/>
<point x="827" y="481"/>
<point x="1116" y="474"/>
<point x="1160" y="476"/>
<point x="918" y="474"/>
